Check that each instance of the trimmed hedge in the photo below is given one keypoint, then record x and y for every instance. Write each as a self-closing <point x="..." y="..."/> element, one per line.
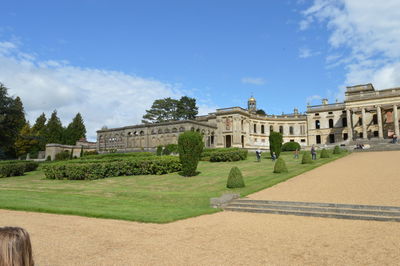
<point x="235" y="178"/>
<point x="228" y="155"/>
<point x="306" y="158"/>
<point x="64" y="155"/>
<point x="336" y="150"/>
<point x="291" y="146"/>
<point x="275" y="143"/>
<point x="324" y="153"/>
<point x="16" y="168"/>
<point x="190" y="147"/>
<point x="93" y="170"/>
<point x="280" y="166"/>
<point x="117" y="156"/>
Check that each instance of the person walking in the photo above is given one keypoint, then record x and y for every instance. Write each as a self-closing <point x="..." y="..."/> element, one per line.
<point x="296" y="154"/>
<point x="313" y="153"/>
<point x="258" y="154"/>
<point x="273" y="156"/>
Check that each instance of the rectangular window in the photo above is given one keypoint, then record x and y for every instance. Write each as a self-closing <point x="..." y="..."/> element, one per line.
<point x="330" y="113"/>
<point x="316" y="114"/>
<point x="331" y="138"/>
<point x="345" y="136"/>
<point x="318" y="139"/>
<point x="263" y="140"/>
<point x="376" y="134"/>
<point x="302" y="140"/>
<point x="292" y="140"/>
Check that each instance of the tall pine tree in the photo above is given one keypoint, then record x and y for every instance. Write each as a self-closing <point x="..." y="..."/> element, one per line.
<point x="26" y="141"/>
<point x="54" y="129"/>
<point x="39" y="130"/>
<point x="75" y="130"/>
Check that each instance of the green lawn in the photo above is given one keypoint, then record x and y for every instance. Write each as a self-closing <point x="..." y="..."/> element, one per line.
<point x="157" y="199"/>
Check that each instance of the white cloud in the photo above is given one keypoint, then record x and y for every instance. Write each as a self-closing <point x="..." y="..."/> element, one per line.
<point x="306" y="53"/>
<point x="103" y="97"/>
<point x="367" y="36"/>
<point x="253" y="81"/>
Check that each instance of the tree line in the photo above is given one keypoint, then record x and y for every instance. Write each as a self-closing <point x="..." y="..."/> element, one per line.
<point x="18" y="137"/>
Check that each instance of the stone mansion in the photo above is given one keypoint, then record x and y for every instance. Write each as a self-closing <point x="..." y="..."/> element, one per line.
<point x="365" y="114"/>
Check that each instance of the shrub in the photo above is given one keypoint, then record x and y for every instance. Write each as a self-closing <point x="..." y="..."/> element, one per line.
<point x="291" y="146"/>
<point x="64" y="155"/>
<point x="280" y="166"/>
<point x="173" y="148"/>
<point x="206" y="154"/>
<point x="87" y="153"/>
<point x="336" y="150"/>
<point x="275" y="143"/>
<point x="190" y="146"/>
<point x="159" y="150"/>
<point x="324" y="153"/>
<point x="16" y="168"/>
<point x="166" y="151"/>
<point x="228" y="155"/>
<point x="235" y="178"/>
<point x="117" y="156"/>
<point x="95" y="170"/>
<point x="306" y="158"/>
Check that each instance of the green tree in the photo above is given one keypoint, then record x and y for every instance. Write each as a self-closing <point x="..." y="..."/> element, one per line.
<point x="190" y="146"/>
<point x="162" y="110"/>
<point x="12" y="119"/>
<point x="275" y="143"/>
<point x="75" y="130"/>
<point x="26" y="141"/>
<point x="261" y="112"/>
<point x="169" y="109"/>
<point x="187" y="109"/>
<point x="39" y="130"/>
<point x="280" y="166"/>
<point x="235" y="178"/>
<point x="54" y="129"/>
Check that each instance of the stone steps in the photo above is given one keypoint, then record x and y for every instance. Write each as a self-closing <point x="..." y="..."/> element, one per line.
<point x="325" y="210"/>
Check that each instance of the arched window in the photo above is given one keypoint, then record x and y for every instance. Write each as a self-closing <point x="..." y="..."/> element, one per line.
<point x="281" y="129"/>
<point x="317" y="124"/>
<point x="255" y="128"/>
<point x="142" y="133"/>
<point x="262" y="129"/>
<point x="330" y="123"/>
<point x="271" y="128"/>
<point x="181" y="129"/>
<point x="291" y="131"/>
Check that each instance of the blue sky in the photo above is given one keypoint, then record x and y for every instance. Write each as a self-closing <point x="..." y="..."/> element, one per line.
<point x="109" y="60"/>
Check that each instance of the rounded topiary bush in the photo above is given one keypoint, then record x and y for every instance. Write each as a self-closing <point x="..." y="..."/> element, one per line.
<point x="235" y="178"/>
<point x="190" y="146"/>
<point x="280" y="166"/>
<point x="291" y="146"/>
<point x="336" y="150"/>
<point x="324" y="153"/>
<point x="306" y="158"/>
<point x="159" y="150"/>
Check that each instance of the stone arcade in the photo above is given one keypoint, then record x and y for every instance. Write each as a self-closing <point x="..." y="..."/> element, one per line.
<point x="365" y="114"/>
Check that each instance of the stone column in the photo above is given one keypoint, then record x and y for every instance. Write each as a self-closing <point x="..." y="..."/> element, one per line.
<point x="380" y="125"/>
<point x="364" y="124"/>
<point x="396" y="120"/>
<point x="349" y="124"/>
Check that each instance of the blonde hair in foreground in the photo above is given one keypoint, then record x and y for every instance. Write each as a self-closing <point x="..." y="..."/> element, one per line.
<point x="15" y="247"/>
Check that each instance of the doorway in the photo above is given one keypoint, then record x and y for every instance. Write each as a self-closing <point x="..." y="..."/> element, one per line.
<point x="228" y="141"/>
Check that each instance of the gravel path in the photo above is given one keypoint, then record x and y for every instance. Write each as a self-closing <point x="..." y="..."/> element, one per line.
<point x="230" y="238"/>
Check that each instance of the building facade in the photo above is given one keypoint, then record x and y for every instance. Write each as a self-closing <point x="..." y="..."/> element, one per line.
<point x="365" y="114"/>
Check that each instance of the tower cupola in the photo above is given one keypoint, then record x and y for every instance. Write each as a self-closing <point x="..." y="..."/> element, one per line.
<point x="252" y="104"/>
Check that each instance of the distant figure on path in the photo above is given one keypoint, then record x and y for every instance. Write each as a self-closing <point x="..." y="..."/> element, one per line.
<point x="394" y="141"/>
<point x="296" y="154"/>
<point x="15" y="247"/>
<point x="313" y="152"/>
<point x="273" y="157"/>
<point x="258" y="154"/>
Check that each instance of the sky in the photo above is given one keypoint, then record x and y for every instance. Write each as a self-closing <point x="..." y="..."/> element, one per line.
<point x="109" y="60"/>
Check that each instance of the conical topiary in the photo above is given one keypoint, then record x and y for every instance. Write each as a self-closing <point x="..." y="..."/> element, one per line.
<point x="324" y="153"/>
<point x="235" y="178"/>
<point x="280" y="166"/>
<point x="336" y="150"/>
<point x="306" y="158"/>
